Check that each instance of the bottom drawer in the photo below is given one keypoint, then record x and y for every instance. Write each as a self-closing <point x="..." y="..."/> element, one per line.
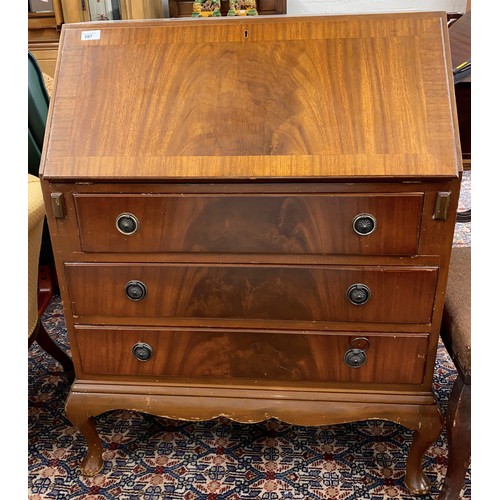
<point x="213" y="355"/>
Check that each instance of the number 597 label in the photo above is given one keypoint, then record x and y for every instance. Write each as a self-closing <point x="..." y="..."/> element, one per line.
<point x="91" y="35"/>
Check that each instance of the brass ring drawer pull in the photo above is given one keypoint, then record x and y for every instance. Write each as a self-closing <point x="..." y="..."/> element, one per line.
<point x="355" y="356"/>
<point x="127" y="223"/>
<point x="142" y="351"/>
<point x="358" y="294"/>
<point x="364" y="224"/>
<point x="135" y="290"/>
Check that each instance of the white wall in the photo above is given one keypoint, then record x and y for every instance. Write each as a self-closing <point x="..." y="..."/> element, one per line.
<point x="300" y="7"/>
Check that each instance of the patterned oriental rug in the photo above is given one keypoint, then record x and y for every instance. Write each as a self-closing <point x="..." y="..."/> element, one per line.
<point x="151" y="458"/>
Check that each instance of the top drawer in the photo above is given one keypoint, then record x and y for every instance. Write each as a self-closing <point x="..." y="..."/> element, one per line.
<point x="361" y="224"/>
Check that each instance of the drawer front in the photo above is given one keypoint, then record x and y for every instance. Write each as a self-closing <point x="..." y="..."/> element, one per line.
<point x="290" y="224"/>
<point x="238" y="355"/>
<point x="283" y="293"/>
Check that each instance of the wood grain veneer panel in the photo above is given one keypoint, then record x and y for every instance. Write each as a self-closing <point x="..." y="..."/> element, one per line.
<point x="267" y="96"/>
<point x="287" y="224"/>
<point x="273" y="293"/>
<point x="268" y="356"/>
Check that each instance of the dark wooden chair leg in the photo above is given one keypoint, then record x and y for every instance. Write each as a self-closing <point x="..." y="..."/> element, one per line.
<point x="458" y="428"/>
<point x="50" y="347"/>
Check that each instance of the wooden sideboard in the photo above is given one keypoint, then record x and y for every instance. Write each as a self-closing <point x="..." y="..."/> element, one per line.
<point x="253" y="217"/>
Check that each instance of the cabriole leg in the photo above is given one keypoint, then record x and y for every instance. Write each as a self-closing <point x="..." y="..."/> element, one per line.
<point x="85" y="423"/>
<point x="427" y="430"/>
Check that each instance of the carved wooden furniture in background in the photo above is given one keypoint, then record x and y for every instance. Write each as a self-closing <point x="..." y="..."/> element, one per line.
<point x="262" y="228"/>
<point x="43" y="36"/>
<point x="76" y="11"/>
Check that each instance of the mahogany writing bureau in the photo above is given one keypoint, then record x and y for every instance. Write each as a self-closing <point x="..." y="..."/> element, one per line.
<point x="253" y="217"/>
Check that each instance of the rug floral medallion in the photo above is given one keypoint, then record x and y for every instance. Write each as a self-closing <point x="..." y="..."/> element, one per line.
<point x="150" y="458"/>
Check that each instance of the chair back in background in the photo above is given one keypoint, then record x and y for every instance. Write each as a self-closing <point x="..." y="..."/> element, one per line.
<point x="38" y="106"/>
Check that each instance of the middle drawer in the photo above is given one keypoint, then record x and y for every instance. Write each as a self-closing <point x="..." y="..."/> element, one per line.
<point x="395" y="294"/>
